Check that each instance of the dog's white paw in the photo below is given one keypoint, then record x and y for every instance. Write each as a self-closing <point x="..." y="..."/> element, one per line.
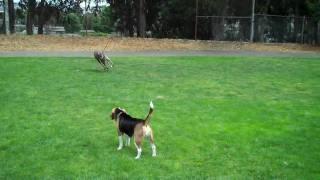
<point x="119" y="148"/>
<point x="151" y="105"/>
<point x="154" y="154"/>
<point x="137" y="157"/>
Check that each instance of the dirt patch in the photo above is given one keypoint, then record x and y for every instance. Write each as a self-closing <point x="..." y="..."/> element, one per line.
<point x="78" y="44"/>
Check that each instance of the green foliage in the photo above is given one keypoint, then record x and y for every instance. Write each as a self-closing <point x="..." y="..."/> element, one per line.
<point x="123" y="14"/>
<point x="215" y="118"/>
<point x="100" y="22"/>
<point x="173" y="18"/>
<point x="284" y="7"/>
<point x="94" y="34"/>
<point x="314" y="7"/>
<point x="20" y="16"/>
<point x="176" y="18"/>
<point x="106" y="21"/>
<point x="71" y="23"/>
<point x="96" y="24"/>
<point x="87" y="21"/>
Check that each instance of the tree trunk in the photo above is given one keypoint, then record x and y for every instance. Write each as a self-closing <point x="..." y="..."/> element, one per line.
<point x="6" y="17"/>
<point x="317" y="29"/>
<point x="31" y="5"/>
<point x="316" y="33"/>
<point x="11" y="16"/>
<point x="2" y="26"/>
<point x="141" y="18"/>
<point x="129" y="20"/>
<point x="29" y="25"/>
<point x="41" y="16"/>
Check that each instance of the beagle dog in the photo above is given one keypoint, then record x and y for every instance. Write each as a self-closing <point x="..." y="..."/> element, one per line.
<point x="130" y="126"/>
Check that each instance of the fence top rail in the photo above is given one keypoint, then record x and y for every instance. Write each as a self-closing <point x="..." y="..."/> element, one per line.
<point x="249" y="17"/>
<point x="282" y="16"/>
<point x="227" y="17"/>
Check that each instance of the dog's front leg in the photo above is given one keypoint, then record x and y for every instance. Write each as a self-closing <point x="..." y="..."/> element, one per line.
<point x="120" y="142"/>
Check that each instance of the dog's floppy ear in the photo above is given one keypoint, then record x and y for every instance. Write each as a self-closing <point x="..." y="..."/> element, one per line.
<point x="113" y="114"/>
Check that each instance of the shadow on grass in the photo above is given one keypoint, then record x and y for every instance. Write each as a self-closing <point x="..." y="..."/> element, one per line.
<point x="95" y="71"/>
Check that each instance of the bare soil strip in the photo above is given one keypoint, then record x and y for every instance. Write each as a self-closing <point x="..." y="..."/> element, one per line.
<point x="150" y="53"/>
<point x="39" y="43"/>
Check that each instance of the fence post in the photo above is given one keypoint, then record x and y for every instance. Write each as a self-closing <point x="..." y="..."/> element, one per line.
<point x="302" y="30"/>
<point x="318" y="32"/>
<point x="196" y="22"/>
<point x="252" y="21"/>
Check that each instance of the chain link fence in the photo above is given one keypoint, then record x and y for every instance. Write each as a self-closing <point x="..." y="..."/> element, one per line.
<point x="267" y="28"/>
<point x="224" y="28"/>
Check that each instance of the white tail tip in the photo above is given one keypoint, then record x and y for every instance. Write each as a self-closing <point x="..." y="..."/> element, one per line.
<point x="151" y="105"/>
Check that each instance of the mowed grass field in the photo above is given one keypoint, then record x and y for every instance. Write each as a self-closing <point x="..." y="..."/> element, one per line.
<point x="215" y="117"/>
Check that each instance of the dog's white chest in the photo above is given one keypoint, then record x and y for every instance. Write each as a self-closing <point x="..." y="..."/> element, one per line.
<point x="146" y="130"/>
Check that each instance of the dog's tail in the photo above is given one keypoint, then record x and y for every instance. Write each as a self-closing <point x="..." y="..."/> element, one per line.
<point x="147" y="120"/>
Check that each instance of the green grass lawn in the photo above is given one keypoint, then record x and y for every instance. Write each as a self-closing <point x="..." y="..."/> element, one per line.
<point x="220" y="117"/>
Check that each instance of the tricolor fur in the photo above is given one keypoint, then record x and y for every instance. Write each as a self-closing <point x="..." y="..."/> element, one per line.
<point x="133" y="127"/>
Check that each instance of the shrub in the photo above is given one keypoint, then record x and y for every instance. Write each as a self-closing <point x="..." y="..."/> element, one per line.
<point x="72" y="23"/>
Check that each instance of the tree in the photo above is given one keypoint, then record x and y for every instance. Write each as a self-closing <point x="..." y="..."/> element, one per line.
<point x="44" y="12"/>
<point x="123" y="16"/>
<point x="106" y="19"/>
<point x="68" y="6"/>
<point x="284" y="7"/>
<point x="314" y="8"/>
<point x="176" y="19"/>
<point x="20" y="15"/>
<point x="165" y="18"/>
<point x="102" y="22"/>
<point x="72" y="23"/>
<point x="11" y="16"/>
<point x="141" y="16"/>
<point x="41" y="13"/>
<point x="30" y="7"/>
<point x="6" y="17"/>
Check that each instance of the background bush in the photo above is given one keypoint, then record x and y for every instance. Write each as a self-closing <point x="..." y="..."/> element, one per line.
<point x="71" y="23"/>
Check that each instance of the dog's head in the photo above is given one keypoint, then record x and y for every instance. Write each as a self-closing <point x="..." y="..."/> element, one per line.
<point x="115" y="112"/>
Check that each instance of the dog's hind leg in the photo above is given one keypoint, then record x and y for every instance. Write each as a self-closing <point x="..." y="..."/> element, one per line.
<point x="138" y="137"/>
<point x="153" y="146"/>
<point x="149" y="134"/>
<point x="139" y="149"/>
